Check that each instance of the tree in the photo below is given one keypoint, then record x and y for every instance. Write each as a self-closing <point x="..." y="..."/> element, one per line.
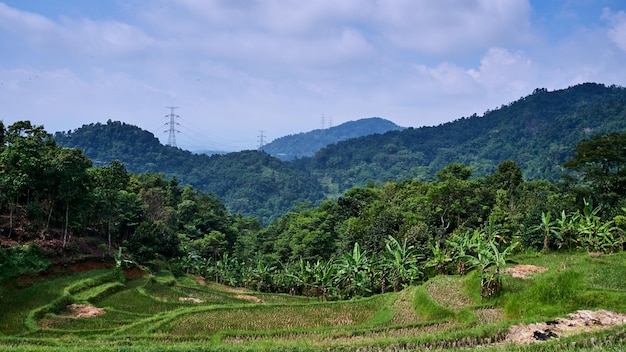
<point x="71" y="177"/>
<point x="108" y="182"/>
<point x="601" y="162"/>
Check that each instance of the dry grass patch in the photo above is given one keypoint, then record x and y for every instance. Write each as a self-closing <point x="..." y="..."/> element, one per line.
<point x="524" y="270"/>
<point x="249" y="298"/>
<point x="449" y="291"/>
<point x="489" y="315"/>
<point x="190" y="299"/>
<point x="403" y="311"/>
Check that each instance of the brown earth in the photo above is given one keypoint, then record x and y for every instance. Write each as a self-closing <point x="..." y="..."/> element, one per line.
<point x="524" y="270"/>
<point x="576" y="323"/>
<point x="84" y="311"/>
<point x="190" y="299"/>
<point x="249" y="298"/>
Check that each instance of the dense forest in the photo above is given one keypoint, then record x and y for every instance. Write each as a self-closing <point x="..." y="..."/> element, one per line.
<point x="537" y="132"/>
<point x="306" y="144"/>
<point x="252" y="183"/>
<point x="372" y="239"/>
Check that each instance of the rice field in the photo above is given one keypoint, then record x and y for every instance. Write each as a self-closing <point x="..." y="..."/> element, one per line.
<point x="162" y="312"/>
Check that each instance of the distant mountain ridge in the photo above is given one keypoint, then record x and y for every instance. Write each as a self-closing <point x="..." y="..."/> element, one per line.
<point x="538" y="132"/>
<point x="308" y="143"/>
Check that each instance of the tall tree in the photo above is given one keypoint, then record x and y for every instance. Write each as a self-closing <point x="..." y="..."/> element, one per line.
<point x="601" y="163"/>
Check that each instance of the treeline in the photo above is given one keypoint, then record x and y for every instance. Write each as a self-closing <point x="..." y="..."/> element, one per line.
<point x="251" y="183"/>
<point x="52" y="194"/>
<point x="372" y="239"/>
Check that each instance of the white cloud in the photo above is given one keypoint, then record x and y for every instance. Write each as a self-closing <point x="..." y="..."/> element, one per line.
<point x="617" y="31"/>
<point x="108" y="39"/>
<point x="440" y="27"/>
<point x="501" y="70"/>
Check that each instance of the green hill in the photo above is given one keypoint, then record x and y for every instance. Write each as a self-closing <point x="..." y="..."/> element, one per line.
<point x="538" y="132"/>
<point x="308" y="143"/>
<point x="251" y="183"/>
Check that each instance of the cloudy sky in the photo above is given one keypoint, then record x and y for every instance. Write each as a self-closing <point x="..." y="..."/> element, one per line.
<point x="238" y="67"/>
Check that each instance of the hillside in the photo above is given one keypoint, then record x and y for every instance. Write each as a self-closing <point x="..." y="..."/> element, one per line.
<point x="308" y="143"/>
<point x="251" y="183"/>
<point x="538" y="132"/>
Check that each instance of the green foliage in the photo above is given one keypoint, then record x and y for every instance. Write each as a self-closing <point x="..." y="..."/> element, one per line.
<point x="550" y="295"/>
<point x="428" y="308"/>
<point x="22" y="260"/>
<point x="252" y="183"/>
<point x="538" y="132"/>
<point x="601" y="163"/>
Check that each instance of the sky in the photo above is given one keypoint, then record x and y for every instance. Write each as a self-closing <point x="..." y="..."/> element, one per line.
<point x="241" y="69"/>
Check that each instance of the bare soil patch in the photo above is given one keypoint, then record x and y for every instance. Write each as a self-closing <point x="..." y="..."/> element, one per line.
<point x="250" y="298"/>
<point x="524" y="270"/>
<point x="190" y="299"/>
<point x="576" y="323"/>
<point x="85" y="311"/>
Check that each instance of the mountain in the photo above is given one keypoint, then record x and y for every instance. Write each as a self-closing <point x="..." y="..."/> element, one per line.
<point x="538" y="132"/>
<point x="251" y="183"/>
<point x="308" y="143"/>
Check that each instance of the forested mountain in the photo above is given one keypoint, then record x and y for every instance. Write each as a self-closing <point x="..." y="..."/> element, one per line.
<point x="538" y="132"/>
<point x="252" y="183"/>
<point x="308" y="143"/>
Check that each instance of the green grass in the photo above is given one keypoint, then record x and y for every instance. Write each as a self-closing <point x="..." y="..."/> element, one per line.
<point x="446" y="312"/>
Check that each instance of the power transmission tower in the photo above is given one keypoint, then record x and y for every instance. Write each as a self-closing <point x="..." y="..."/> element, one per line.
<point x="322" y="119"/>
<point x="171" y="140"/>
<point x="261" y="140"/>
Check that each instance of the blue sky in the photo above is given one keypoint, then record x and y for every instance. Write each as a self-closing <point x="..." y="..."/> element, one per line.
<point x="238" y="67"/>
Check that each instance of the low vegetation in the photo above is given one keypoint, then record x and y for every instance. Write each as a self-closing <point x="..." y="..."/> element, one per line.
<point x="444" y="312"/>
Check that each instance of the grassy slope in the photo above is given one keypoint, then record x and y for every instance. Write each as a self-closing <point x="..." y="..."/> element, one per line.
<point x="445" y="311"/>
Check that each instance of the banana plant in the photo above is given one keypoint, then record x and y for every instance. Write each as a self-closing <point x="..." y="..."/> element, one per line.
<point x="440" y="259"/>
<point x="351" y="272"/>
<point x="401" y="263"/>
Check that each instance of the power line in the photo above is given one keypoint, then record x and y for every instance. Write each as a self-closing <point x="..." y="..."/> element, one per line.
<point x="171" y="140"/>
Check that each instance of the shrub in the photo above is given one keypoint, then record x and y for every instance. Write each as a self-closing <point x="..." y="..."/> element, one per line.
<point x="20" y="260"/>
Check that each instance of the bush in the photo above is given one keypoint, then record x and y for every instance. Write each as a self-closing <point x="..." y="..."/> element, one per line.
<point x="20" y="260"/>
